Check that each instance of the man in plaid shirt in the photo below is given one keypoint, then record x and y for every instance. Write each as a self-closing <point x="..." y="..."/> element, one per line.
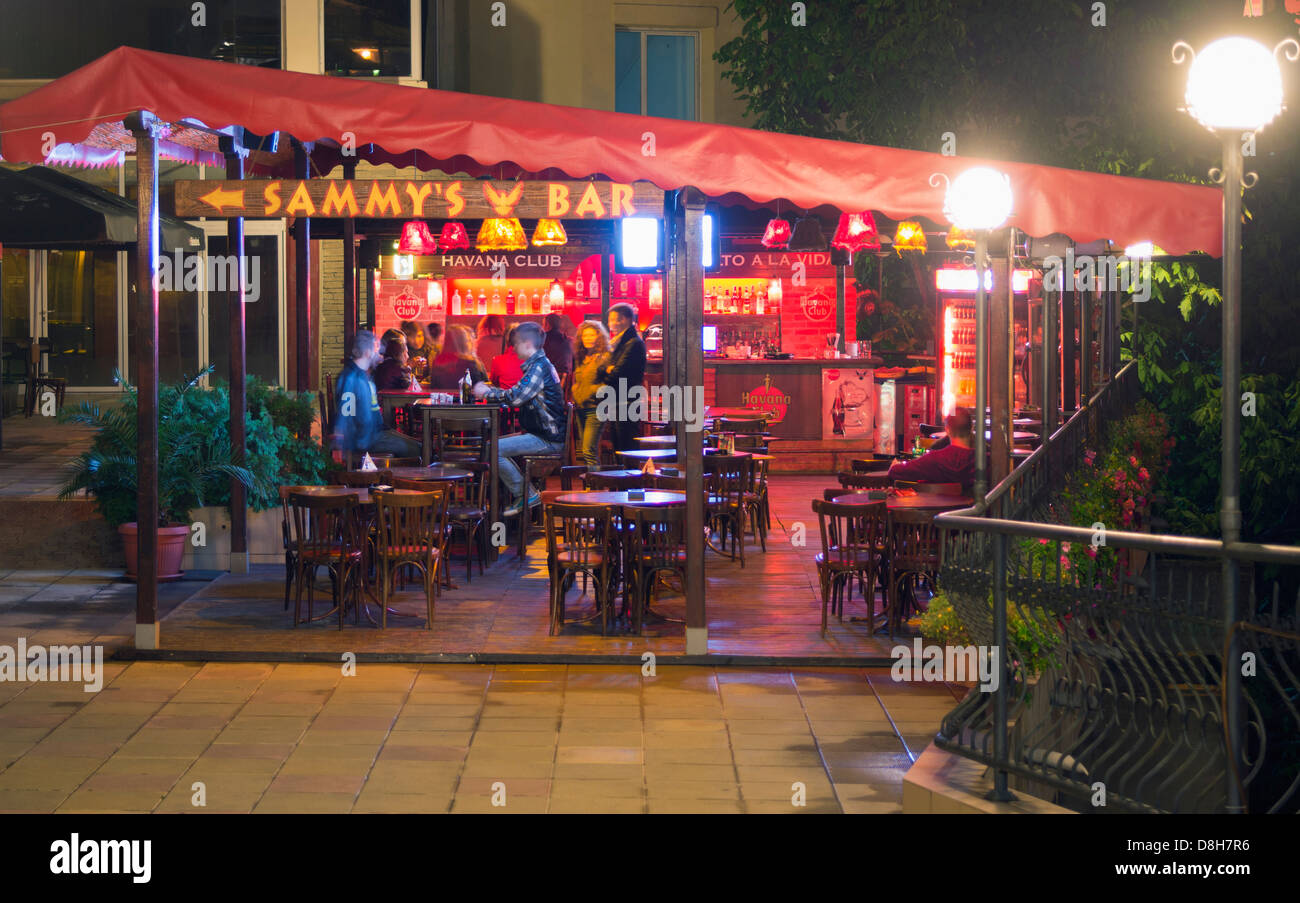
<point x="540" y="400"/>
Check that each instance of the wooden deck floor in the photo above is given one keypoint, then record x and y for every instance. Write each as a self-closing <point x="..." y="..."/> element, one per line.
<point x="769" y="608"/>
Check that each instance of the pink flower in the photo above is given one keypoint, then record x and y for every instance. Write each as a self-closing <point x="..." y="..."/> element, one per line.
<point x="1065" y="547"/>
<point x="1132" y="459"/>
<point x="1092" y="553"/>
<point x="1143" y="474"/>
<point x="1043" y="541"/>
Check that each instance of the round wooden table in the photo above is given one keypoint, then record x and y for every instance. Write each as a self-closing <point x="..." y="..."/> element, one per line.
<point x="721" y="413"/>
<point x="654" y="498"/>
<point x="921" y="501"/>
<point x="649" y="454"/>
<point x="434" y="473"/>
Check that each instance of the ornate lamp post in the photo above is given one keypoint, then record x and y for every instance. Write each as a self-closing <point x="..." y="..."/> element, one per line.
<point x="1234" y="88"/>
<point x="979" y="201"/>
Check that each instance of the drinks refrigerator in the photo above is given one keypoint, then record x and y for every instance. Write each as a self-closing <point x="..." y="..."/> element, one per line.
<point x="957" y="354"/>
<point x="900" y="410"/>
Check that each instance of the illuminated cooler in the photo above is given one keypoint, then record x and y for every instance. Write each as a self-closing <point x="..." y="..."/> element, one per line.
<point x="901" y="408"/>
<point x="957" y="288"/>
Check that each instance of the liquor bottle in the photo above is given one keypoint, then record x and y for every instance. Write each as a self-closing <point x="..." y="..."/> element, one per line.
<point x="593" y="287"/>
<point x="747" y="306"/>
<point x="466" y="384"/>
<point x="497" y="307"/>
<point x="455" y="303"/>
<point x="708" y="301"/>
<point x="539" y="302"/>
<point x="510" y="300"/>
<point x="482" y="302"/>
<point x="543" y="304"/>
<point x="760" y="302"/>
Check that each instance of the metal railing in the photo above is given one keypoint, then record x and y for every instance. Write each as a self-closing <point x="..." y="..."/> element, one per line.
<point x="1116" y="678"/>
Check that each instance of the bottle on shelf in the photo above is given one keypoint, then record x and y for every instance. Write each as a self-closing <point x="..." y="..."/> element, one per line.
<point x="760" y="302"/>
<point x="455" y="303"/>
<point x="593" y="287"/>
<point x="510" y="301"/>
<point x="539" y="302"/>
<point x="482" y="302"/>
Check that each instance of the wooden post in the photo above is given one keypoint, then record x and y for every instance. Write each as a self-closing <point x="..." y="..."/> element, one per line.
<point x="302" y="279"/>
<point x="1069" y="346"/>
<point x="840" y="317"/>
<point x="145" y="129"/>
<point x="1051" y="361"/>
<point x="349" y="270"/>
<point x="688" y="320"/>
<point x="238" y="396"/>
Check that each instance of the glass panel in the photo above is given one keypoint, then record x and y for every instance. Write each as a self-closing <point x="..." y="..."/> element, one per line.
<point x="41" y="44"/>
<point x="627" y="72"/>
<point x="670" y="75"/>
<point x="81" y="291"/>
<point x="261" y="316"/>
<point x="16" y="282"/>
<point x="178" y="326"/>
<point x="368" y="39"/>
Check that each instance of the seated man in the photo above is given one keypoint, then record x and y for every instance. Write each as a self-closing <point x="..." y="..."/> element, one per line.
<point x="540" y="401"/>
<point x="359" y="425"/>
<point x="953" y="463"/>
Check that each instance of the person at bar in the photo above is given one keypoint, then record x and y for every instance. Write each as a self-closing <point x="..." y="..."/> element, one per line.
<point x="359" y="423"/>
<point x="626" y="365"/>
<point x="448" y="368"/>
<point x="558" y="346"/>
<point x="506" y="370"/>
<point x="540" y="401"/>
<point x="491" y="338"/>
<point x="434" y="344"/>
<point x="394" y="373"/>
<point x="593" y="351"/>
<point x="416" y="348"/>
<point x="953" y="462"/>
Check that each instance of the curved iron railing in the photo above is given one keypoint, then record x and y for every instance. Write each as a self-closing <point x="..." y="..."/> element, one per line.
<point x="1114" y="687"/>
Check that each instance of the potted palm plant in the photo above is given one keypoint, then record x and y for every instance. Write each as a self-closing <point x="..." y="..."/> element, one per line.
<point x="190" y="468"/>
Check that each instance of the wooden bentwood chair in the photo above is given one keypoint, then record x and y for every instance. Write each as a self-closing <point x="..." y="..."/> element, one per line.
<point x="411" y="531"/>
<point x="852" y="545"/>
<point x="580" y="539"/>
<point x="326" y="534"/>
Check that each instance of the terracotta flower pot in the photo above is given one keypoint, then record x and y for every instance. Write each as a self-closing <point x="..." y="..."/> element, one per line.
<point x="171" y="549"/>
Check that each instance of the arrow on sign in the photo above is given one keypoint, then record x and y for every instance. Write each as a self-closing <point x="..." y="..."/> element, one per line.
<point x="219" y="199"/>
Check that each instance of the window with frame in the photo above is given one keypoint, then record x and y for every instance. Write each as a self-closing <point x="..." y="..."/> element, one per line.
<point x="656" y="73"/>
<point x="369" y="40"/>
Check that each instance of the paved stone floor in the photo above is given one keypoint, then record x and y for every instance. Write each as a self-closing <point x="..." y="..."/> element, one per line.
<point x="448" y="738"/>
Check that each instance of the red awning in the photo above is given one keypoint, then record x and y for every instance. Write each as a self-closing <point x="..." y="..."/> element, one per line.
<point x="465" y="132"/>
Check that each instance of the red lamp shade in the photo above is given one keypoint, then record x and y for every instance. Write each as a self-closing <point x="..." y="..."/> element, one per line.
<point x="501" y="234"/>
<point x="856" y="232"/>
<point x="777" y="234"/>
<point x="454" y="237"/>
<point x="417" y="239"/>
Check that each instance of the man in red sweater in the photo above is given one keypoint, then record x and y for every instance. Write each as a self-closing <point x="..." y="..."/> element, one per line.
<point x="954" y="463"/>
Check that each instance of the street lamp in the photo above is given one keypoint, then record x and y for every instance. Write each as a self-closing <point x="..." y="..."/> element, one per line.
<point x="1234" y="89"/>
<point x="979" y="200"/>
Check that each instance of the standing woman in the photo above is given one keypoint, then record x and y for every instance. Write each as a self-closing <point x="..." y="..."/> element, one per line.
<point x="593" y="352"/>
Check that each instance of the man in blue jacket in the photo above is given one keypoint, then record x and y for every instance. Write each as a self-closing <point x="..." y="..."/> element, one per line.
<point x="359" y="425"/>
<point x="540" y="400"/>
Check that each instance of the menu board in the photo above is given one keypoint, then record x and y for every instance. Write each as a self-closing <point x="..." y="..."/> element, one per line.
<point x="848" y="404"/>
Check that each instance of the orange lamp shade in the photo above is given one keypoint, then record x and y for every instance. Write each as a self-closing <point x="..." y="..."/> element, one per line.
<point x="549" y="232"/>
<point x="777" y="234"/>
<point x="454" y="237"/>
<point x="961" y="239"/>
<point x="500" y="234"/>
<point x="417" y="239"/>
<point x="856" y="232"/>
<point x="909" y="237"/>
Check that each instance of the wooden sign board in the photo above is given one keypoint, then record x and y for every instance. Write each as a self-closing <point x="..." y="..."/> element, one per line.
<point x="411" y="199"/>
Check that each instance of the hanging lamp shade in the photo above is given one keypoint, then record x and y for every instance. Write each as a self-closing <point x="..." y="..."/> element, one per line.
<point x="961" y="239"/>
<point x="808" y="235"/>
<point x="549" y="233"/>
<point x="500" y="234"/>
<point x="417" y="239"/>
<point x="777" y="234"/>
<point x="856" y="232"/>
<point x="454" y="237"/>
<point x="909" y="237"/>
